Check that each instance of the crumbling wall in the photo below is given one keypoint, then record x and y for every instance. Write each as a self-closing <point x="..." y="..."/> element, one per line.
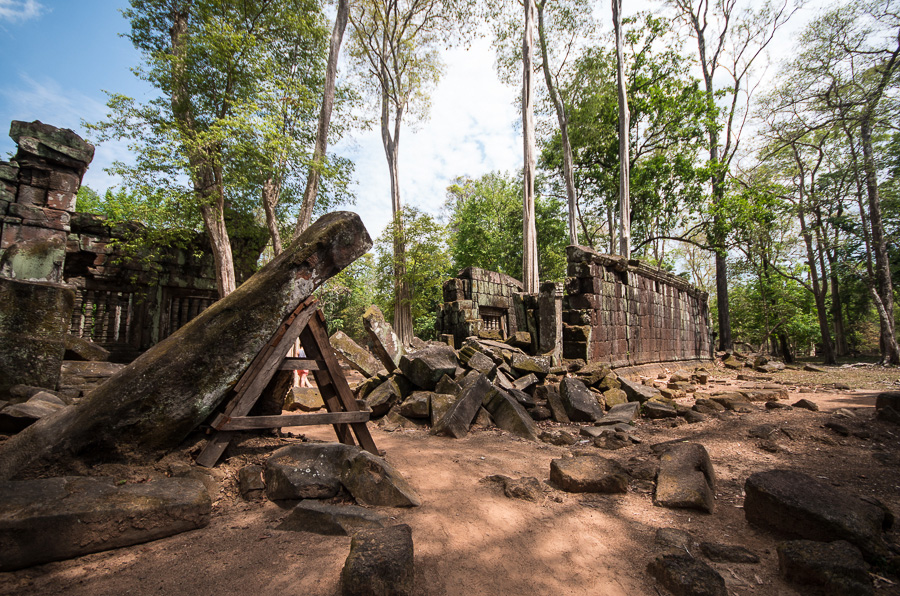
<point x="628" y="313"/>
<point x="479" y="303"/>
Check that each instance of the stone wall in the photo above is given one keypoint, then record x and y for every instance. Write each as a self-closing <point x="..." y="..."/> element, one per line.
<point x="479" y="302"/>
<point x="628" y="313"/>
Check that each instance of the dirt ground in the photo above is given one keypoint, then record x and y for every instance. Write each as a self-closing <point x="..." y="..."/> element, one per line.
<point x="471" y="539"/>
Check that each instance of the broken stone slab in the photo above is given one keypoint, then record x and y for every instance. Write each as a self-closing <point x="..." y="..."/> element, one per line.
<point x="509" y="415"/>
<point x="673" y="538"/>
<point x="589" y="474"/>
<point x="250" y="482"/>
<point x="330" y="520"/>
<point x="728" y="553"/>
<point x="550" y="393"/>
<point x="475" y="360"/>
<point x="797" y="505"/>
<point x="306" y="471"/>
<point x="359" y="358"/>
<point x="151" y="405"/>
<point x="385" y="343"/>
<point x="683" y="575"/>
<point x="18" y="417"/>
<point x="734" y="402"/>
<point x="48" y="143"/>
<point x="638" y="392"/>
<point x="579" y="401"/>
<point x="426" y="367"/>
<point x="59" y="518"/>
<point x="614" y="397"/>
<point x="383" y="397"/>
<point x="440" y="405"/>
<point x="835" y="567"/>
<point x="417" y="405"/>
<point x="686" y="479"/>
<point x="527" y="488"/>
<point x="373" y="481"/>
<point x="380" y="562"/>
<point x="447" y="385"/>
<point x="525" y="382"/>
<point x="558" y="437"/>
<point x="656" y="410"/>
<point x="84" y="349"/>
<point x="456" y="421"/>
<point x="304" y="399"/>
<point x="806" y="405"/>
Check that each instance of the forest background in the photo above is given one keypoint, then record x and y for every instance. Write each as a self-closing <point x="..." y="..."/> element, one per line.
<point x="766" y="160"/>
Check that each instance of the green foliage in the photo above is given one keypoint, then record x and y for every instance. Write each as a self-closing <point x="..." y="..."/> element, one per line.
<point x="345" y="297"/>
<point x="485" y="221"/>
<point x="670" y="119"/>
<point x="427" y="263"/>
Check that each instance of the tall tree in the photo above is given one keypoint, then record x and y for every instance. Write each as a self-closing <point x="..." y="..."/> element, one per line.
<point x="730" y="42"/>
<point x="530" y="279"/>
<point x="209" y="60"/>
<point x="395" y="44"/>
<point x="624" y="133"/>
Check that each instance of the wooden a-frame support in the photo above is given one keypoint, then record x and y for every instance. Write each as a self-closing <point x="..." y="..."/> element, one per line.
<point x="308" y="323"/>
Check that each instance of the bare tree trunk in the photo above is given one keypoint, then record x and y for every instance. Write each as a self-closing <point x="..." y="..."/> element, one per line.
<point x="271" y="194"/>
<point x="214" y="221"/>
<point x="562" y="118"/>
<point x="312" y="179"/>
<point x="891" y="350"/>
<point x="624" y="163"/>
<point x="817" y="287"/>
<point x="529" y="232"/>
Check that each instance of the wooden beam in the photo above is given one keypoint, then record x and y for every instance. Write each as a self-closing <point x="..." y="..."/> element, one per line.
<point x="261" y="422"/>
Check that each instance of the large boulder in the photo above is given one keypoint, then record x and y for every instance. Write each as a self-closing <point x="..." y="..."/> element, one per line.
<point x="359" y="358"/>
<point x="686" y="478"/>
<point x="306" y="471"/>
<point x="380" y="563"/>
<point x="799" y="506"/>
<point x="152" y="404"/>
<point x="580" y="403"/>
<point x="426" y="367"/>
<point x="59" y="518"/>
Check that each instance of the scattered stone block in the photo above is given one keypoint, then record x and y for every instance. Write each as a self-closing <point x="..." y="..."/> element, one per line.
<point x="579" y="402"/>
<point x="306" y="471"/>
<point x="79" y="348"/>
<point x="330" y="520"/>
<point x="727" y="553"/>
<point x="383" y="397"/>
<point x="686" y="478"/>
<point x="380" y="563"/>
<point x="526" y="382"/>
<point x="656" y="410"/>
<point x="385" y="343"/>
<point x="304" y="399"/>
<point x="447" y="385"/>
<point x="359" y="358"/>
<point x="509" y="415"/>
<point x="250" y="482"/>
<point x="59" y="518"/>
<point x="558" y="437"/>
<point x="683" y="575"/>
<point x="797" y="505"/>
<point x="456" y="421"/>
<point x="621" y="414"/>
<point x="426" y="367"/>
<point x="806" y="405"/>
<point x="417" y="405"/>
<point x="676" y="539"/>
<point x="811" y="368"/>
<point x="373" y="481"/>
<point x="888" y="399"/>
<point x="550" y="393"/>
<point x="638" y="392"/>
<point x="440" y="405"/>
<point x="589" y="474"/>
<point x="612" y="440"/>
<point x="707" y="406"/>
<point x="526" y="489"/>
<point x="614" y="397"/>
<point x="836" y="567"/>
<point x="475" y="360"/>
<point x="394" y="421"/>
<point x="18" y="417"/>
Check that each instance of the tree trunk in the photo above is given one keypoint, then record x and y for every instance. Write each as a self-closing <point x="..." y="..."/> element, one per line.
<point x="563" y="119"/>
<point x="529" y="232"/>
<point x="891" y="350"/>
<point x="312" y="179"/>
<point x="624" y="159"/>
<point x="818" y="289"/>
<point x="271" y="193"/>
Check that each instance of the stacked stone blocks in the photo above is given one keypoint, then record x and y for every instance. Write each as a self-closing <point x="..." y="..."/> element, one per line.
<point x="472" y="293"/>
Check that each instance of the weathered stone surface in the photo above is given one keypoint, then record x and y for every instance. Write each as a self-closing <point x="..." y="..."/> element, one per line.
<point x="727" y="553"/>
<point x="304" y="399"/>
<point x="55" y="145"/>
<point x="34" y="321"/>
<point x="509" y="415"/>
<point x="456" y="421"/>
<point x="579" y="402"/>
<point x="476" y="360"/>
<point x="588" y="474"/>
<point x="359" y="358"/>
<point x="806" y="405"/>
<point x="440" y="405"/>
<point x="394" y="421"/>
<point x="385" y="342"/>
<point x="174" y="386"/>
<point x="250" y="482"/>
<point x="18" y="417"/>
<point x="736" y="402"/>
<point x="306" y="471"/>
<point x="417" y="405"/>
<point x="550" y="393"/>
<point x="656" y="410"/>
<point x="60" y="518"/>
<point x="797" y="505"/>
<point x="373" y="481"/>
<point x="673" y="538"/>
<point x="707" y="406"/>
<point x="523" y="364"/>
<point x="380" y="563"/>
<point x="526" y="489"/>
<point x="383" y="397"/>
<point x="329" y="520"/>
<point x="621" y="414"/>
<point x="836" y="567"/>
<point x="526" y="382"/>
<point x="447" y="385"/>
<point x="426" y="367"/>
<point x="686" y="478"/>
<point x="888" y="399"/>
<point x="637" y="392"/>
<point x="558" y="437"/>
<point x="684" y="575"/>
<point x="84" y="349"/>
<point x="614" y="397"/>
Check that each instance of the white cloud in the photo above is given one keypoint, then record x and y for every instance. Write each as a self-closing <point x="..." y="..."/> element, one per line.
<point x="20" y="10"/>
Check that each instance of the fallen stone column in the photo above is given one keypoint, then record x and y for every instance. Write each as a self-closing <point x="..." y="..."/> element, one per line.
<point x="153" y="403"/>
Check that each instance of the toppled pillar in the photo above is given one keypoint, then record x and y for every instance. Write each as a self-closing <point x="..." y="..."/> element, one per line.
<point x="153" y="403"/>
<point x="385" y="342"/>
